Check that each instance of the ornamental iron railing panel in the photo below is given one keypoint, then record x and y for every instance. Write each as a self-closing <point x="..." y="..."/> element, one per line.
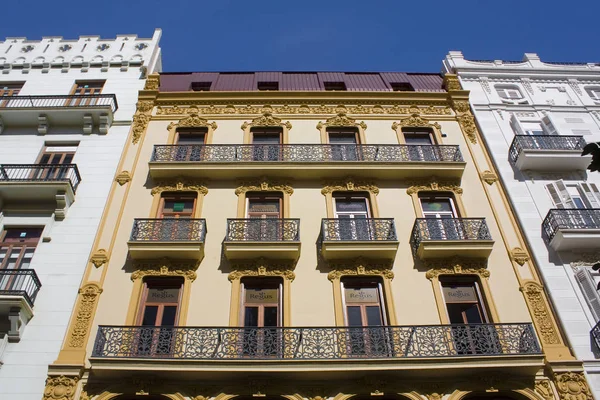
<point x="358" y="229"/>
<point x="41" y="173"/>
<point x="306" y="153"/>
<point x="60" y="101"/>
<point x="448" y="229"/>
<point x="569" y="218"/>
<point x="20" y="282"/>
<point x="595" y="336"/>
<point x="544" y="142"/>
<point x="263" y="230"/>
<point x="168" y="230"/>
<point x="315" y="343"/>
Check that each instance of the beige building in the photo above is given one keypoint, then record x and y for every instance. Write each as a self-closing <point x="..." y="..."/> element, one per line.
<point x="310" y="236"/>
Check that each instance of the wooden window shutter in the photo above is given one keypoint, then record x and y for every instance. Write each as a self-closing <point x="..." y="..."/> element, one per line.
<point x="549" y="125"/>
<point x="560" y="195"/>
<point x="588" y="288"/>
<point x="516" y="125"/>
<point x="592" y="194"/>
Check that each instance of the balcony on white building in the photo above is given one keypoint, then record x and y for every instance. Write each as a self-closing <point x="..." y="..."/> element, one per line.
<point x="571" y="229"/>
<point x="548" y="153"/>
<point x="18" y="290"/>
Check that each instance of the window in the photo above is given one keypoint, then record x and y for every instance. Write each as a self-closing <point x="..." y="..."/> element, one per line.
<point x="201" y="86"/>
<point x="189" y="144"/>
<point x="593" y="92"/>
<point x="261" y="309"/>
<point x="574" y="195"/>
<point x="334" y="85"/>
<point x="264" y="205"/>
<point x="84" y="89"/>
<point x="55" y="154"/>
<point x="17" y="246"/>
<point x="268" y="85"/>
<point x="344" y="143"/>
<point x="175" y="205"/>
<point x="420" y="143"/>
<point x="192" y="137"/>
<point x="587" y="279"/>
<point x="440" y="213"/>
<point x="438" y="206"/>
<point x="463" y="300"/>
<point x="265" y="212"/>
<point x="267" y="143"/>
<point x="510" y="94"/>
<point x="401" y="87"/>
<point x="353" y="212"/>
<point x="418" y="136"/>
<point x="9" y="89"/>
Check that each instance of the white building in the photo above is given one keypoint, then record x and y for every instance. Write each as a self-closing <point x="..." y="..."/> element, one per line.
<point x="535" y="117"/>
<point x="71" y="103"/>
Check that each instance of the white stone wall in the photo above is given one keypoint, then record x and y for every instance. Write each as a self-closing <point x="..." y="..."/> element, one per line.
<point x="60" y="263"/>
<point x="557" y="91"/>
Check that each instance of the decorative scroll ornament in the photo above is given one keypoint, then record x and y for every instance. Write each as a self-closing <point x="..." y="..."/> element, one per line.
<point x="193" y="121"/>
<point x="534" y="294"/>
<point x="467" y="123"/>
<point x="144" y="106"/>
<point x="99" y="258"/>
<point x="87" y="300"/>
<point x="140" y="123"/>
<point x="153" y="82"/>
<point x="267" y="119"/>
<point x="489" y="177"/>
<point x="264" y="186"/>
<point x="572" y="386"/>
<point x="361" y="266"/>
<point x="350" y="185"/>
<point x="434" y="185"/>
<point x="415" y="121"/>
<point x="519" y="256"/>
<point x="60" y="387"/>
<point x="544" y="389"/>
<point x="123" y="177"/>
<point x="180" y="185"/>
<point x="457" y="270"/>
<point x="341" y="119"/>
<point x="262" y="267"/>
<point x="164" y="267"/>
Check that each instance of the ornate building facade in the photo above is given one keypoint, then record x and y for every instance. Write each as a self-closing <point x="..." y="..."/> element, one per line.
<point x="535" y="118"/>
<point x="310" y="236"/>
<point x="66" y="107"/>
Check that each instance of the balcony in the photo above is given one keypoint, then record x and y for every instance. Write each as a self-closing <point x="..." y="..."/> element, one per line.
<point x="447" y="237"/>
<point x="177" y="238"/>
<point x="306" y="161"/>
<point x="316" y="350"/>
<point x="595" y="336"/>
<point x="262" y="237"/>
<point x="548" y="153"/>
<point x="351" y="238"/>
<point x="81" y="111"/>
<point x="41" y="186"/>
<point x="18" y="290"/>
<point x="571" y="229"/>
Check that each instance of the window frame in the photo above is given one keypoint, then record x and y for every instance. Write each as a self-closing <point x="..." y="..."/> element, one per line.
<point x="11" y="245"/>
<point x="265" y="283"/>
<point x="264" y="196"/>
<point x="377" y="283"/>
<point x="462" y="280"/>
<point x="166" y="283"/>
<point x="349" y="196"/>
<point x="332" y="86"/>
<point x="167" y="195"/>
<point x="439" y="195"/>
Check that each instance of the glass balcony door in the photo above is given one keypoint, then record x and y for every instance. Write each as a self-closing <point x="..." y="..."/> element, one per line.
<point x="83" y="92"/>
<point x="17" y="246"/>
<point x="420" y="145"/>
<point x="266" y="212"/>
<point x="261" y="310"/>
<point x="440" y="213"/>
<point x="266" y="144"/>
<point x="54" y="156"/>
<point x="190" y="145"/>
<point x="353" y="213"/>
<point x="344" y="144"/>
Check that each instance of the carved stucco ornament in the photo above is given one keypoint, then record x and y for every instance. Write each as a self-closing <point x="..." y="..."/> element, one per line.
<point x="361" y="267"/>
<point x="165" y="267"/>
<point x="86" y="303"/>
<point x="544" y="389"/>
<point x="193" y="121"/>
<point x="60" y="387"/>
<point x="140" y="123"/>
<point x="451" y="82"/>
<point x="123" y="177"/>
<point x="415" y="121"/>
<point x="489" y="177"/>
<point x="99" y="258"/>
<point x="457" y="270"/>
<point x="586" y="259"/>
<point x="467" y="123"/>
<point x="152" y="82"/>
<point x="179" y="185"/>
<point x="434" y="185"/>
<point x="350" y="185"/>
<point x="267" y="119"/>
<point x="262" y="267"/>
<point x="534" y="294"/>
<point x="264" y="185"/>
<point x="572" y="386"/>
<point x="144" y="106"/>
<point x="341" y="119"/>
<point x="519" y="255"/>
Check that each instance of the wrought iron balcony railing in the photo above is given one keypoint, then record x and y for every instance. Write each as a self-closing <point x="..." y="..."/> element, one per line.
<point x="315" y="343"/>
<point x="448" y="229"/>
<point x="60" y="101"/>
<point x="595" y="335"/>
<point x="20" y="282"/>
<point x="41" y="173"/>
<point x="367" y="229"/>
<point x="306" y="153"/>
<point x="168" y="230"/>
<point x="263" y="230"/>
<point x="544" y="142"/>
<point x="569" y="218"/>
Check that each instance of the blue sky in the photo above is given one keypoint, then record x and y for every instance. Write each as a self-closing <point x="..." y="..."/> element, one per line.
<point x="351" y="35"/>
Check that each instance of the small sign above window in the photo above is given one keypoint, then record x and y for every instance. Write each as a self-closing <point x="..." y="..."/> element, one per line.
<point x="261" y="296"/>
<point x="460" y="294"/>
<point x="178" y="207"/>
<point x="361" y="295"/>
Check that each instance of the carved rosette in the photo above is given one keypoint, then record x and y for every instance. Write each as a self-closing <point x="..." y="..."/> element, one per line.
<point x="193" y="121"/>
<point x="350" y="185"/>
<point x="179" y="185"/>
<point x="165" y="267"/>
<point x="535" y="296"/>
<point x="572" y="386"/>
<point x="60" y="387"/>
<point x="123" y="177"/>
<point x="264" y="185"/>
<point x="267" y="119"/>
<point x="489" y="177"/>
<point x="434" y="185"/>
<point x="99" y="258"/>
<point x="262" y="267"/>
<point x="415" y="121"/>
<point x="361" y="267"/>
<point x="341" y="119"/>
<point x="86" y="304"/>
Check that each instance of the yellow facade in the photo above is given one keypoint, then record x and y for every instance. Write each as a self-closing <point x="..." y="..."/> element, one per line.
<point x="310" y="271"/>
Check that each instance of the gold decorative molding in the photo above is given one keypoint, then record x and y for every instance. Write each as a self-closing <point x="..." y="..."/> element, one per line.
<point x="267" y="119"/>
<point x="262" y="267"/>
<point x="180" y="185"/>
<point x="140" y="123"/>
<point x="519" y="256"/>
<point x="434" y="185"/>
<point x="193" y="121"/>
<point x="544" y="389"/>
<point x="144" y="106"/>
<point x="264" y="185"/>
<point x="123" y="177"/>
<point x="164" y="267"/>
<point x="457" y="270"/>
<point x="60" y="387"/>
<point x="341" y="119"/>
<point x="451" y="82"/>
<point x="467" y="124"/>
<point x="489" y="177"/>
<point x="456" y="263"/>
<point x="152" y="82"/>
<point x="415" y="121"/>
<point x="461" y="106"/>
<point x="535" y="296"/>
<point x="572" y="386"/>
<point x="99" y="258"/>
<point x="350" y="185"/>
<point x="86" y="303"/>
<point x="361" y="267"/>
